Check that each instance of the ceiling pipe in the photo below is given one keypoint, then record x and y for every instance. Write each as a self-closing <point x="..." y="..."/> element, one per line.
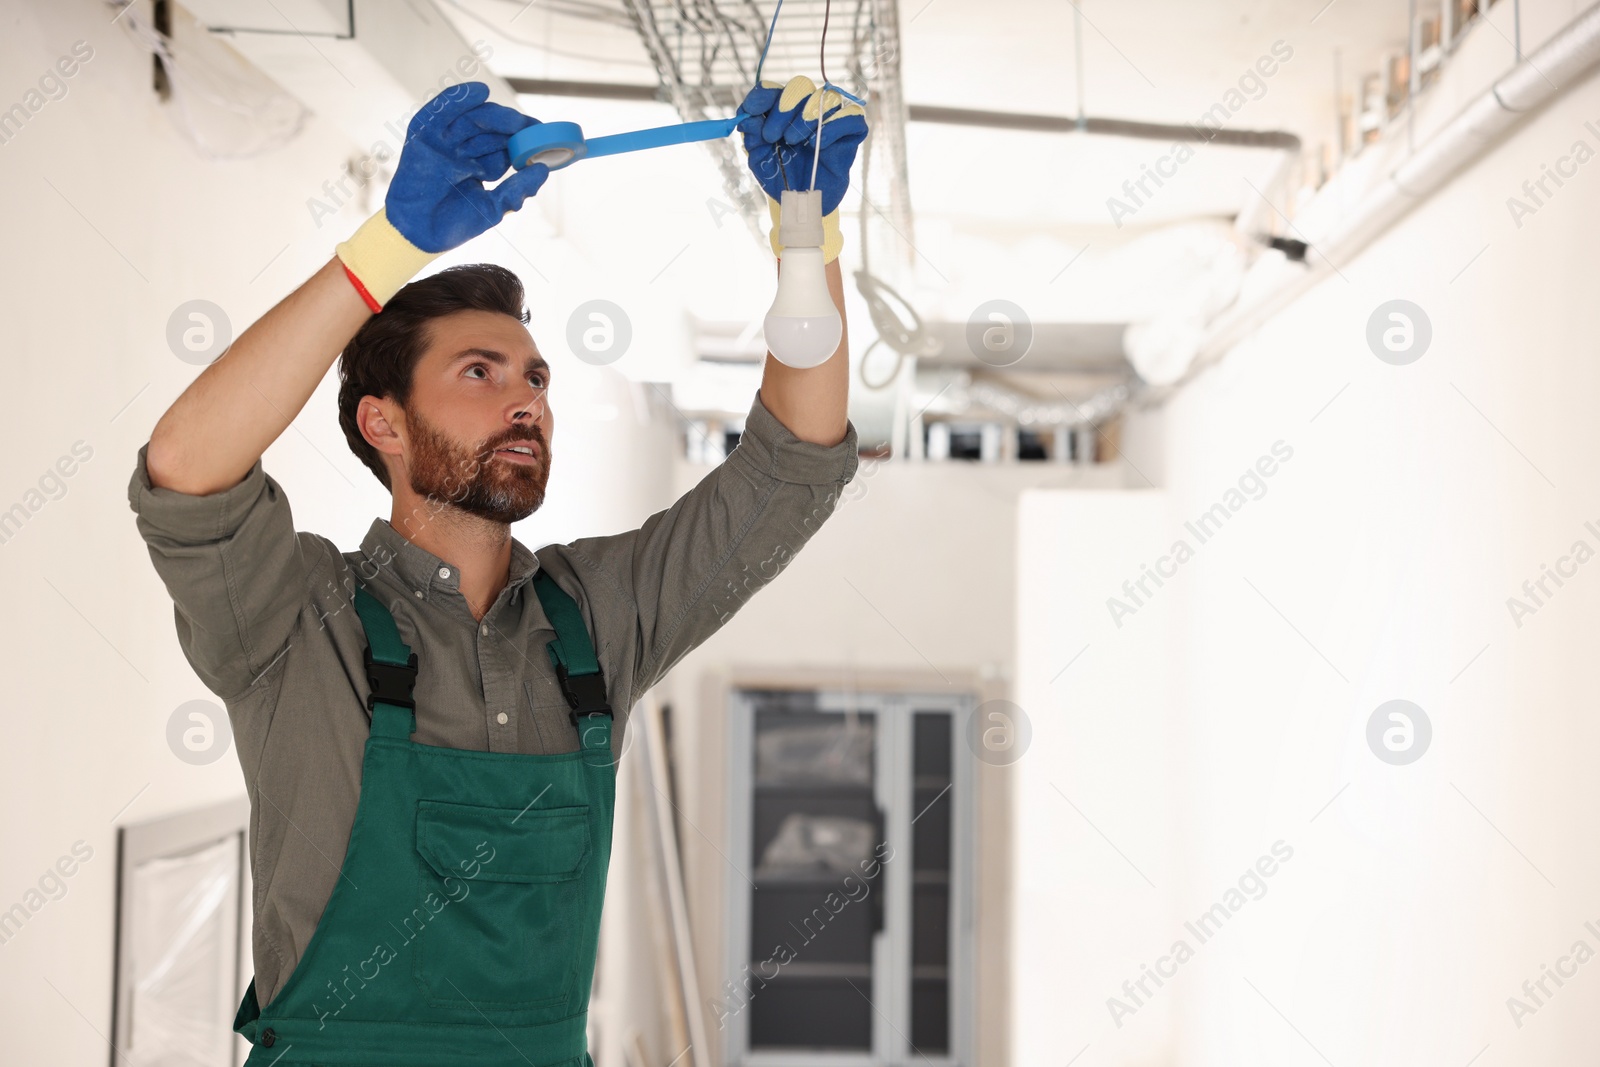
<point x="959" y="116"/>
<point x="596" y="90"/>
<point x="1571" y="54"/>
<point x="1149" y="131"/>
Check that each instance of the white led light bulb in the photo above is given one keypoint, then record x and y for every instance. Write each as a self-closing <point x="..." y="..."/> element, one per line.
<point x="802" y="328"/>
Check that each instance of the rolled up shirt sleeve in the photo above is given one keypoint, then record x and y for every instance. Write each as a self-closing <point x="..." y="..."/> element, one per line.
<point x="688" y="569"/>
<point x="236" y="570"/>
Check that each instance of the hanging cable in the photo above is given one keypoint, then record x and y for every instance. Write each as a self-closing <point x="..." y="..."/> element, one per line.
<point x="889" y="378"/>
<point x="822" y="94"/>
<point x="771" y="29"/>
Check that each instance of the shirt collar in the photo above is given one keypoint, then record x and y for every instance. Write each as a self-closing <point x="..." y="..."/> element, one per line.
<point x="420" y="571"/>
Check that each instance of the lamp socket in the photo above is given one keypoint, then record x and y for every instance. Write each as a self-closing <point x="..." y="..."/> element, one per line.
<point x="800" y="218"/>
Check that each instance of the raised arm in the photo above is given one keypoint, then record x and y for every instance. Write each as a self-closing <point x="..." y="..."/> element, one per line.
<point x="216" y="430"/>
<point x="812" y="402"/>
<point x="782" y="143"/>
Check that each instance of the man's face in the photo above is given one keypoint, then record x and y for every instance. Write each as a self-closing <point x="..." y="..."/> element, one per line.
<point x="475" y="393"/>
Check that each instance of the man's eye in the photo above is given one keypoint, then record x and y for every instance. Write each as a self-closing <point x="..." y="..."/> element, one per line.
<point x="538" y="380"/>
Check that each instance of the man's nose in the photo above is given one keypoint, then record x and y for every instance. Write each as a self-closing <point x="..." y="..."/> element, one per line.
<point x="531" y="410"/>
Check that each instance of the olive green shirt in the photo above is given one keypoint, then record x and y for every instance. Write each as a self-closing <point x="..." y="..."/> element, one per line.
<point x="265" y="616"/>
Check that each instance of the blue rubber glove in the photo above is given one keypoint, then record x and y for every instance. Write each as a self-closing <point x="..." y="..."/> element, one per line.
<point x="457" y="142"/>
<point x="780" y="139"/>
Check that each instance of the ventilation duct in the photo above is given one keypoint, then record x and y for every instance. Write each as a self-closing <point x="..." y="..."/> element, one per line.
<point x="1540" y="78"/>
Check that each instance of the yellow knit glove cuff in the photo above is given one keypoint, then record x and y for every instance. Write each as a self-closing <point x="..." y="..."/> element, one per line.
<point x="381" y="260"/>
<point x="832" y="238"/>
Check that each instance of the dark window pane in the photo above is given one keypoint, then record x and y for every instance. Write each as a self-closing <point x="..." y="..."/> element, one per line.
<point x="930" y="923"/>
<point x="966" y="444"/>
<point x="810" y="924"/>
<point x="930" y="834"/>
<point x="815" y="831"/>
<point x="930" y="1016"/>
<point x="931" y="743"/>
<point x="932" y="803"/>
<point x="796" y="1011"/>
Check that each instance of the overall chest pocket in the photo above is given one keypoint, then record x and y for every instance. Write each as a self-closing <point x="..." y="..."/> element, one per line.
<point x="502" y="892"/>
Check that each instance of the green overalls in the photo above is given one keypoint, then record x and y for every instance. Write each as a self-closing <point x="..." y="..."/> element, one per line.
<point x="465" y="921"/>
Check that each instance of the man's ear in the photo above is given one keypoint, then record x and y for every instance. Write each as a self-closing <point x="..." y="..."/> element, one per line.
<point x="382" y="422"/>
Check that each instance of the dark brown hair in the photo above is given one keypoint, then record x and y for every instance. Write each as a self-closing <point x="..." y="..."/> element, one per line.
<point x="381" y="358"/>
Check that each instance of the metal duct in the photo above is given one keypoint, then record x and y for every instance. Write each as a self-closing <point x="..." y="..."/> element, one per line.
<point x="1028" y="411"/>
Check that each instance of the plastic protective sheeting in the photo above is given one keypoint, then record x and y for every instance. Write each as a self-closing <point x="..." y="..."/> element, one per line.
<point x="815" y="753"/>
<point x="818" y="844"/>
<point x="226" y="106"/>
<point x="185" y="945"/>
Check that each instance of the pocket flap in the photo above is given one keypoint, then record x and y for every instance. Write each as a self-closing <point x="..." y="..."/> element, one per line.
<point x="503" y="844"/>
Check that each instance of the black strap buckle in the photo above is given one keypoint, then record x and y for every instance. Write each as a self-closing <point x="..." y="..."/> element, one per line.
<point x="391" y="684"/>
<point x="585" y="692"/>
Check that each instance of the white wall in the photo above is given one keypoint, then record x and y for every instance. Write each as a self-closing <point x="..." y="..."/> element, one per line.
<point x="1093" y="871"/>
<point x="912" y="574"/>
<point x="112" y="221"/>
<point x="1377" y="565"/>
<point x="92" y="659"/>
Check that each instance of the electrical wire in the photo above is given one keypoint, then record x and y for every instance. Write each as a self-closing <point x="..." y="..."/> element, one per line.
<point x="888" y="380"/>
<point x="822" y="49"/>
<point x="771" y="29"/>
<point x="822" y="62"/>
<point x="822" y="94"/>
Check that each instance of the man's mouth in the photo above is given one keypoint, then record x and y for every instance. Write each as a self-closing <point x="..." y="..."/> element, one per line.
<point x="522" y="452"/>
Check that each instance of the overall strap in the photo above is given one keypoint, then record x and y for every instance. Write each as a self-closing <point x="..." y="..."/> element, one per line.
<point x="391" y="669"/>
<point x="573" y="657"/>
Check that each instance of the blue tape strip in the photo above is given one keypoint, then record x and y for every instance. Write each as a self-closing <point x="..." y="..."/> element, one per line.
<point x="657" y="137"/>
<point x="563" y="143"/>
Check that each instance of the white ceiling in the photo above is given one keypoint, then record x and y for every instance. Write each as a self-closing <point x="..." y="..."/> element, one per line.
<point x="1002" y="213"/>
<point x="1154" y="61"/>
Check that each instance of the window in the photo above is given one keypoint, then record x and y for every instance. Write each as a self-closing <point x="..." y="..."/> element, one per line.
<point x="850" y="879"/>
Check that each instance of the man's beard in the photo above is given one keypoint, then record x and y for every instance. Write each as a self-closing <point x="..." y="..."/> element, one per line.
<point x="473" y="480"/>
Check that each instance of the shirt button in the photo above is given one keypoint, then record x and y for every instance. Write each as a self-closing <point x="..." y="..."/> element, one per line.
<point x="444" y="572"/>
<point x="500" y="718"/>
<point x="419" y="594"/>
<point x="484" y="629"/>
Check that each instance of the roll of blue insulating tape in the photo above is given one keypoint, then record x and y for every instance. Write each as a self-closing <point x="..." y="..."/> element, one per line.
<point x="559" y="144"/>
<point x="555" y="144"/>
